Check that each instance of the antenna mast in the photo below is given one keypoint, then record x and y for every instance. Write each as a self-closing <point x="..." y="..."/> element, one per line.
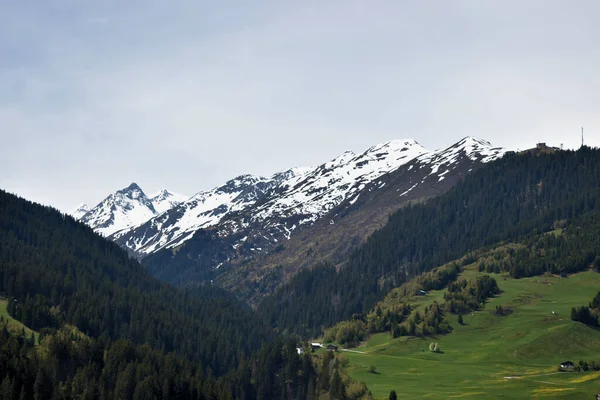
<point x="582" y="136"/>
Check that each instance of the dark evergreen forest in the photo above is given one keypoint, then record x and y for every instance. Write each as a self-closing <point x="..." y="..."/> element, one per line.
<point x="512" y="199"/>
<point x="108" y="330"/>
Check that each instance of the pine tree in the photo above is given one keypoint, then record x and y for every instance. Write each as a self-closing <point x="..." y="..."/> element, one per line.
<point x="6" y="389"/>
<point x="23" y="394"/>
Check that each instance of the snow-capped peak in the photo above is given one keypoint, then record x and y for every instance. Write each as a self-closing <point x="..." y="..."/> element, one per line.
<point x="128" y="207"/>
<point x="165" y="200"/>
<point x="80" y="211"/>
<point x="479" y="149"/>
<point x="474" y="148"/>
<point x="329" y="184"/>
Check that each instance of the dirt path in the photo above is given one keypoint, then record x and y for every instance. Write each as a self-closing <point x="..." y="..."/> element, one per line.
<point x="354" y="351"/>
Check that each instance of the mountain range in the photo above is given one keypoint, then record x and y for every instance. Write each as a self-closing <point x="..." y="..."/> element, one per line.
<point x="252" y="216"/>
<point x="126" y="208"/>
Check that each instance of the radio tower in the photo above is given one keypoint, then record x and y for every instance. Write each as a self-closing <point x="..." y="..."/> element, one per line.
<point x="582" y="136"/>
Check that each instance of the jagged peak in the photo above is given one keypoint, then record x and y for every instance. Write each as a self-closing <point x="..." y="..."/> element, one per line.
<point x="400" y="147"/>
<point x="162" y="194"/>
<point x="79" y="211"/>
<point x="133" y="187"/>
<point x="245" y="179"/>
<point x="472" y="140"/>
<point x="341" y="159"/>
<point x="82" y="206"/>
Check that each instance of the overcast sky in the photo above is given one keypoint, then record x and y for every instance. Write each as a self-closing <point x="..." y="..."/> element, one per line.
<point x="185" y="94"/>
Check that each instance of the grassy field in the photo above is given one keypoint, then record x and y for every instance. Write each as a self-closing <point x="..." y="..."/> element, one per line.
<point x="13" y="324"/>
<point x="493" y="357"/>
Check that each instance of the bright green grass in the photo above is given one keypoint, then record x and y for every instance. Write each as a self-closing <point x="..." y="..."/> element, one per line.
<point x="492" y="357"/>
<point x="13" y="324"/>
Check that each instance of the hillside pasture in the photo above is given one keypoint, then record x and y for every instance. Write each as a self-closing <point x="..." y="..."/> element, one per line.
<point x="494" y="357"/>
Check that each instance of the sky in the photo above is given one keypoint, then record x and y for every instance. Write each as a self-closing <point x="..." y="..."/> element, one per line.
<point x="186" y="94"/>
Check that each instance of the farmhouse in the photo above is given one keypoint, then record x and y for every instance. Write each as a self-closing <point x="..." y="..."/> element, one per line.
<point x="316" y="346"/>
<point x="567" y="366"/>
<point x="332" y="347"/>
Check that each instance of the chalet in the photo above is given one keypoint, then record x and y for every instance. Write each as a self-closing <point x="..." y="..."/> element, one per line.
<point x="316" y="346"/>
<point x="420" y="292"/>
<point x="567" y="366"/>
<point x="332" y="347"/>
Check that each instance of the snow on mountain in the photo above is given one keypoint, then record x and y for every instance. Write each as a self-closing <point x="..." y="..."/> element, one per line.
<point x="302" y="194"/>
<point x="165" y="200"/>
<point x="331" y="183"/>
<point x="80" y="211"/>
<point x="262" y="211"/>
<point x="126" y="208"/>
<point x="202" y="210"/>
<point x="474" y="149"/>
<point x="120" y="210"/>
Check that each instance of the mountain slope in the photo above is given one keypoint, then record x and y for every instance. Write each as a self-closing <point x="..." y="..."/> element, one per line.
<point x="165" y="200"/>
<point x="203" y="210"/>
<point x="513" y="196"/>
<point x="126" y="208"/>
<point x="259" y="211"/>
<point x="277" y="254"/>
<point x="351" y="222"/>
<point x="488" y="355"/>
<point x="108" y="325"/>
<point x="80" y="211"/>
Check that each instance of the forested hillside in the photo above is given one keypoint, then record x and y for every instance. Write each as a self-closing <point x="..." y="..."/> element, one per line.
<point x="518" y="196"/>
<point x="108" y="330"/>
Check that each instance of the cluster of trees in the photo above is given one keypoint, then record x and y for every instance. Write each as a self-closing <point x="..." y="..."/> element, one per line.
<point x="587" y="366"/>
<point x="511" y="199"/>
<point x="349" y="333"/>
<point x="386" y="317"/>
<point x="589" y="315"/>
<point x="110" y="330"/>
<point x="70" y="365"/>
<point x="571" y="250"/>
<point x="396" y="316"/>
<point x="431" y="322"/>
<point x="464" y="296"/>
<point x="439" y="278"/>
<point x="399" y="321"/>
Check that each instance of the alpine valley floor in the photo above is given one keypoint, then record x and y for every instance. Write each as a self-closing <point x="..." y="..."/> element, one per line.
<point x="493" y="357"/>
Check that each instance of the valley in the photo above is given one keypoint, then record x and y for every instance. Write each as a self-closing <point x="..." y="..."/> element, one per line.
<point x="457" y="283"/>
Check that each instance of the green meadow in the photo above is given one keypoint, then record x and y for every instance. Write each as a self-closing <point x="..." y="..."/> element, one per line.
<point x="515" y="356"/>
